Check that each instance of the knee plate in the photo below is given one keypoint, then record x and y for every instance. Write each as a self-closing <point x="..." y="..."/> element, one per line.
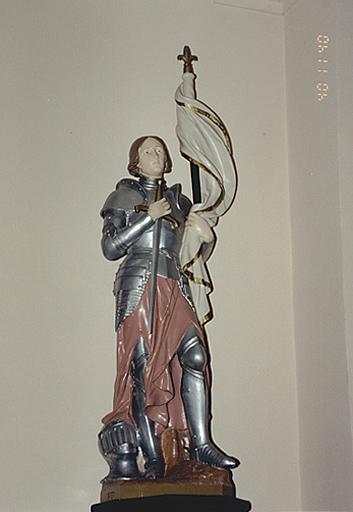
<point x="192" y="354"/>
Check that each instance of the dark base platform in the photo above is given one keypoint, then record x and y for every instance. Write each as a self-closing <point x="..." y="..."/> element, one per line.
<point x="173" y="503"/>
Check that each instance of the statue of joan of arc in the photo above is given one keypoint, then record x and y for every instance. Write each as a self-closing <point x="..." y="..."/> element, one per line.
<point x="161" y="292"/>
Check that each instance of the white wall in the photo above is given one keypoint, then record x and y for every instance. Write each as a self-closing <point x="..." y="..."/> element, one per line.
<point x="316" y="168"/>
<point x="344" y="68"/>
<point x="80" y="80"/>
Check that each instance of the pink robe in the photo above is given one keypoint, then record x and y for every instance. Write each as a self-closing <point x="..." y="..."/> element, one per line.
<point x="173" y="316"/>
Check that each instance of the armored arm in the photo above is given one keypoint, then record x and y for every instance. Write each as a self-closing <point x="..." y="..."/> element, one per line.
<point x="118" y="237"/>
<point x="119" y="230"/>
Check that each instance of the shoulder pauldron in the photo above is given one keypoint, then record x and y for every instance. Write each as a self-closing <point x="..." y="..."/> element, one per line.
<point x="126" y="196"/>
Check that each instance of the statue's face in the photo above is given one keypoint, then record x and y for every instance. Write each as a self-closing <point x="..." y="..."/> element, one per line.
<point x="152" y="158"/>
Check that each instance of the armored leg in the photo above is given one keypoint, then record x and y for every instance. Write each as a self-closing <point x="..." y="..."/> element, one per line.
<point x="118" y="445"/>
<point x="148" y="441"/>
<point x="193" y="359"/>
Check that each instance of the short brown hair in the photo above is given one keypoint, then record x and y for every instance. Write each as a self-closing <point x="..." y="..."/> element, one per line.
<point x="134" y="155"/>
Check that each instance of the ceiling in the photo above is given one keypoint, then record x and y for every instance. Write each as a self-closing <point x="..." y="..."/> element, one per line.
<point x="279" y="7"/>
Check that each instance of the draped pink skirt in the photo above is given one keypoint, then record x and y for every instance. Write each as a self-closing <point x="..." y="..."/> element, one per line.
<point x="173" y="316"/>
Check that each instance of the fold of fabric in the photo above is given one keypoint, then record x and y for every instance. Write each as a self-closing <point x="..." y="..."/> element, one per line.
<point x="173" y="316"/>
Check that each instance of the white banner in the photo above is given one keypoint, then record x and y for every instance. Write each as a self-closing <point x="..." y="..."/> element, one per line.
<point x="204" y="140"/>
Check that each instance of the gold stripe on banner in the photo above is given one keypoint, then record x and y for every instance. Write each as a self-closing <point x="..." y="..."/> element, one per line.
<point x="206" y="318"/>
<point x="188" y="273"/>
<point x="212" y="117"/>
<point x="197" y="280"/>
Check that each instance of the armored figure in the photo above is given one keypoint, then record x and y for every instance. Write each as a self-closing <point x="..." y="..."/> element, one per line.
<point x="162" y="378"/>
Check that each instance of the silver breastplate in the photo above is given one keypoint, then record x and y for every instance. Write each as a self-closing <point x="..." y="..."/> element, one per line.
<point x="169" y="248"/>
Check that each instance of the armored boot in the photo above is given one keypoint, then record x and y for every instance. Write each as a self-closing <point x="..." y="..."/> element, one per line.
<point x="118" y="445"/>
<point x="148" y="441"/>
<point x="193" y="359"/>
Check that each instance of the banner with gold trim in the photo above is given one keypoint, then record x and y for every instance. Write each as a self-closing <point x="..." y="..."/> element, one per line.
<point x="203" y="140"/>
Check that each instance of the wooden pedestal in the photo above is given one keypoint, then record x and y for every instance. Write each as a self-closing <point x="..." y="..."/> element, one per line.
<point x="187" y="485"/>
<point x="189" y="477"/>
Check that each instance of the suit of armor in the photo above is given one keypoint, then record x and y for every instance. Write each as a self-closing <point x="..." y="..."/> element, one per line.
<point x="160" y="382"/>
